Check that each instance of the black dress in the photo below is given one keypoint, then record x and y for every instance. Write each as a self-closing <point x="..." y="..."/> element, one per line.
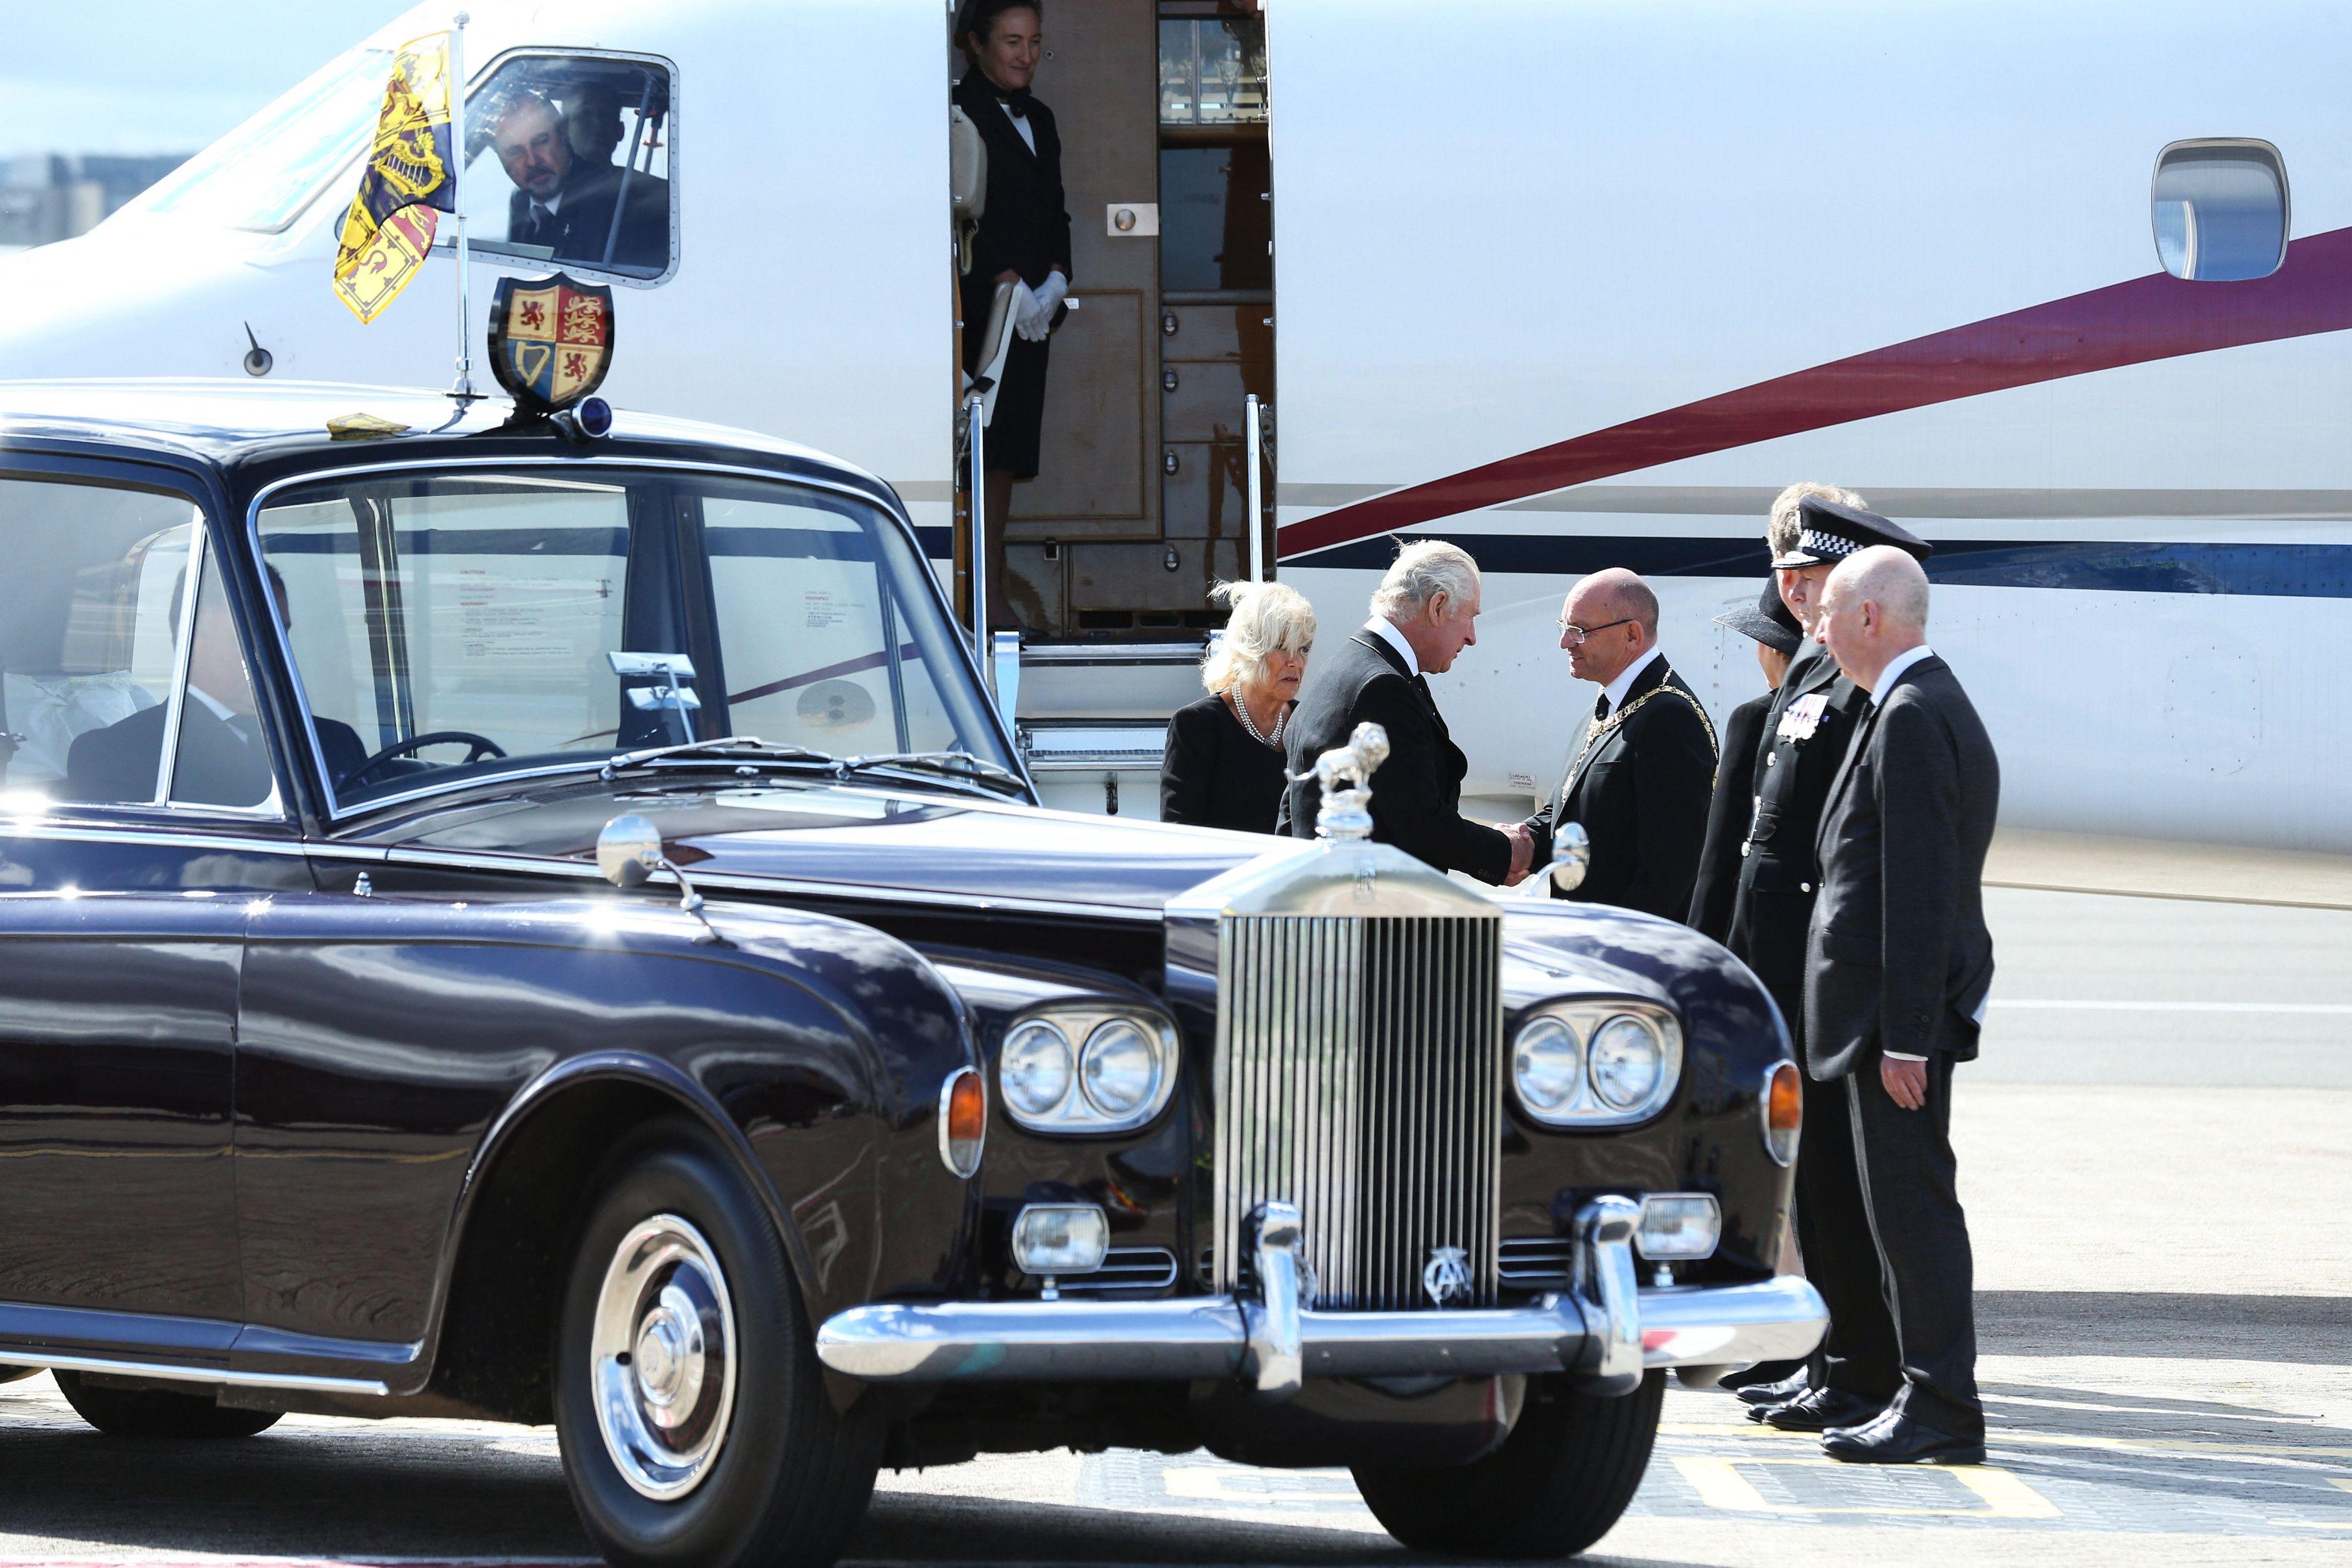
<point x="1026" y="229"/>
<point x="1214" y="775"/>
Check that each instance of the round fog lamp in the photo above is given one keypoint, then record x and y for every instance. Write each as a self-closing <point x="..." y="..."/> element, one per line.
<point x="1033" y="1069"/>
<point x="1120" y="1069"/>
<point x="1548" y="1065"/>
<point x="1626" y="1062"/>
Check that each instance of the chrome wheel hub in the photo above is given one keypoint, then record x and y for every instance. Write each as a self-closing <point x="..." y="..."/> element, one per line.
<point x="662" y="1354"/>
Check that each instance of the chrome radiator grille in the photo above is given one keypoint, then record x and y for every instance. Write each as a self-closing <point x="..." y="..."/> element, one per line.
<point x="1360" y="1076"/>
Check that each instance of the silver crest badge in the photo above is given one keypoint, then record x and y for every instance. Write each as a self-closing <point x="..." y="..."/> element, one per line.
<point x="1447" y="1278"/>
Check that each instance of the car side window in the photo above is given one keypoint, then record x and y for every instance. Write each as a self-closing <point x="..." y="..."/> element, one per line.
<point x="570" y="162"/>
<point x="221" y="758"/>
<point x="92" y="580"/>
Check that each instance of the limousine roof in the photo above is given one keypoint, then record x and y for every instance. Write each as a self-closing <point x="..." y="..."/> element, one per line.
<point x="253" y="431"/>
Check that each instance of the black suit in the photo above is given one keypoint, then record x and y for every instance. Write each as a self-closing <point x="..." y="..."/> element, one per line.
<point x="1026" y="229"/>
<point x="1728" y="817"/>
<point x="1216" y="774"/>
<point x="582" y="221"/>
<point x="1417" y="792"/>
<point x="1756" y="895"/>
<point x="1900" y="959"/>
<point x="1639" y="783"/>
<point x="219" y="762"/>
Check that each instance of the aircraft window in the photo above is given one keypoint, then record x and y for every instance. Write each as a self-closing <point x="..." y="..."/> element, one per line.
<point x="570" y="163"/>
<point x="1212" y="72"/>
<point x="88" y="636"/>
<point x="2220" y="210"/>
<point x="264" y="172"/>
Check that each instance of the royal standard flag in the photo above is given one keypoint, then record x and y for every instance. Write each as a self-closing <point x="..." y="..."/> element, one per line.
<point x="410" y="173"/>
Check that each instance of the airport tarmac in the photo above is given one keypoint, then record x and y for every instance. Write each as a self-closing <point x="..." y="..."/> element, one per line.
<point x="2157" y="1156"/>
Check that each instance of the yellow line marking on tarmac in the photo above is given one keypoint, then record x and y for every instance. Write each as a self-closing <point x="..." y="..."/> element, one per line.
<point x="1720" y="1485"/>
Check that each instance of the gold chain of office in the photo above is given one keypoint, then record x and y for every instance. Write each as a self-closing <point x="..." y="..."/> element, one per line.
<point x="1599" y="729"/>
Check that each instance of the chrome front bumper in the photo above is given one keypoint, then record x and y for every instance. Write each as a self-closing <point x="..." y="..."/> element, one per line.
<point x="1607" y="1332"/>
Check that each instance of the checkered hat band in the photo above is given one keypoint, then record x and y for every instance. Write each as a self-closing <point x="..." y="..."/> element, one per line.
<point x="1814" y="542"/>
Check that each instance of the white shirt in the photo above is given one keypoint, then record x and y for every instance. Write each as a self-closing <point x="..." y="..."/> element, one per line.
<point x="1387" y="628"/>
<point x="1020" y="124"/>
<point x="1894" y="667"/>
<point x="1886" y="684"/>
<point x="1615" y="690"/>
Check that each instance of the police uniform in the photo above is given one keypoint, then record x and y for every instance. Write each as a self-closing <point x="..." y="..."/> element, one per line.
<point x="1806" y="733"/>
<point x="1733" y="808"/>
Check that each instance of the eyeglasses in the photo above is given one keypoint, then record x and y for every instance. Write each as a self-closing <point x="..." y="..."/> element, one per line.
<point x="1570" y="633"/>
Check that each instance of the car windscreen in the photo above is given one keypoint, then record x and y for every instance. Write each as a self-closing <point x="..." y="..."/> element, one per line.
<point x="448" y="626"/>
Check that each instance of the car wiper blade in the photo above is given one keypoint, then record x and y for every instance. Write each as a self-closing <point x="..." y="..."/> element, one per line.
<point x="748" y="748"/>
<point x="954" y="764"/>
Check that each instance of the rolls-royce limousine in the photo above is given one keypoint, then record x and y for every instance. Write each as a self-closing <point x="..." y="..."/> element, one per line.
<point x="538" y="919"/>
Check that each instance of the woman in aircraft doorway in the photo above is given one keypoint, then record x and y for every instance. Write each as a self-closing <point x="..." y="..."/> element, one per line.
<point x="1024" y="239"/>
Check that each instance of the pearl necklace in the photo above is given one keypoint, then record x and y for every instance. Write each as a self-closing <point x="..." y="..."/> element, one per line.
<point x="1241" y="711"/>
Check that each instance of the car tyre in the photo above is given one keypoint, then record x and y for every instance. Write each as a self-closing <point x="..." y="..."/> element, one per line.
<point x="1557" y="1485"/>
<point x="696" y="1428"/>
<point x="157" y="1413"/>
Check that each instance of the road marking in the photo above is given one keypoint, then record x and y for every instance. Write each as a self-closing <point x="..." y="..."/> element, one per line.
<point x="2331" y="1009"/>
<point x="2004" y="1438"/>
<point x="1205" y="1484"/>
<point x="1720" y="1485"/>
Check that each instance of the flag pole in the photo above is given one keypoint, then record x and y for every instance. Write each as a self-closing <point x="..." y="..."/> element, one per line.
<point x="464" y="391"/>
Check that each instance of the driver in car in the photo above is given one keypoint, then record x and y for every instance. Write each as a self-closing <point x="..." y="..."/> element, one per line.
<point x="222" y="759"/>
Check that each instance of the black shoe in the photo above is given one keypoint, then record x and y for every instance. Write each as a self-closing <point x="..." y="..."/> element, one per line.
<point x="1817" y="1411"/>
<point x="1896" y="1438"/>
<point x="1778" y="1393"/>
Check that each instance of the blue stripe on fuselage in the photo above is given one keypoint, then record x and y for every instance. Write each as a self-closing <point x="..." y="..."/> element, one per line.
<point x="2300" y="570"/>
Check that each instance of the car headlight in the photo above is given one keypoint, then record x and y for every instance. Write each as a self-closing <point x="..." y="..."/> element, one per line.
<point x="1626" y="1061"/>
<point x="1118" y="1081"/>
<point x="1549" y="1061"/>
<point x="1597" y="1064"/>
<point x="1119" y="1069"/>
<point x="1035" y="1070"/>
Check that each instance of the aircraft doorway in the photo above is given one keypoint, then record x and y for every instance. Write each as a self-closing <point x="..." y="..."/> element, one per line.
<point x="1140" y="501"/>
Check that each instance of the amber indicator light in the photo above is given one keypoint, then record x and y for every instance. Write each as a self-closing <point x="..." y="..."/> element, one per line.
<point x="1787" y="1109"/>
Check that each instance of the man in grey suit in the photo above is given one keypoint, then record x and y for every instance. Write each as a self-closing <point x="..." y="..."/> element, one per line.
<point x="1898" y="964"/>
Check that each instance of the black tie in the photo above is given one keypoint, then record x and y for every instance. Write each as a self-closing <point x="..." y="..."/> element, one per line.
<point x="542" y="222"/>
<point x="1601" y="708"/>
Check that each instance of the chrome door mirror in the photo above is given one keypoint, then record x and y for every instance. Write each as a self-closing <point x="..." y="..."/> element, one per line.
<point x="629" y="851"/>
<point x="1571" y="858"/>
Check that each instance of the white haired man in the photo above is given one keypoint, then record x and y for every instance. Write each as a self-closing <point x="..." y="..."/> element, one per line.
<point x="1424" y="613"/>
<point x="1898" y="963"/>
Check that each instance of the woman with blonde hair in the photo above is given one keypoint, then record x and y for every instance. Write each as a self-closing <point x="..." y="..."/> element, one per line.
<point x="1224" y="765"/>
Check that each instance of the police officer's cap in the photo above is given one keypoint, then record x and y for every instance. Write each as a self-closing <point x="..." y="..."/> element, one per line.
<point x="1769" y="620"/>
<point x="1829" y="532"/>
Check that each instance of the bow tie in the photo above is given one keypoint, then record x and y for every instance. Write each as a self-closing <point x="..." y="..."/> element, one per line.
<point x="1017" y="104"/>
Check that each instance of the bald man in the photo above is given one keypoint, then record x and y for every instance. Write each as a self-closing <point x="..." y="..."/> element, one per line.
<point x="1642" y="775"/>
<point x="1898" y="963"/>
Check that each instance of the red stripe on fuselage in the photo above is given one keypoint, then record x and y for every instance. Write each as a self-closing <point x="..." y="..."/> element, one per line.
<point x="2155" y="318"/>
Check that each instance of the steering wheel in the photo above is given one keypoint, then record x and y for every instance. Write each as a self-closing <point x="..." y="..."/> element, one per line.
<point x="477" y="747"/>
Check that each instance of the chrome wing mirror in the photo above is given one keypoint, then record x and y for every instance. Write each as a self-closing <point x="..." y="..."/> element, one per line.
<point x="1571" y="857"/>
<point x="629" y="851"/>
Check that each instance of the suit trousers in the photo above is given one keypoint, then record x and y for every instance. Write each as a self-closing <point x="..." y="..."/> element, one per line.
<point x="1860" y="1354"/>
<point x="1909" y="1188"/>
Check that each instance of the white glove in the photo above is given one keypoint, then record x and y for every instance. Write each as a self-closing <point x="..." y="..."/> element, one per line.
<point x="1034" y="309"/>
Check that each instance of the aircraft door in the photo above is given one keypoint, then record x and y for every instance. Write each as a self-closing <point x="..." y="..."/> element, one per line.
<point x="1143" y="472"/>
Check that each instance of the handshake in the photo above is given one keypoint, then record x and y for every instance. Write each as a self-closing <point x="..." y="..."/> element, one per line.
<point x="1523" y="852"/>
